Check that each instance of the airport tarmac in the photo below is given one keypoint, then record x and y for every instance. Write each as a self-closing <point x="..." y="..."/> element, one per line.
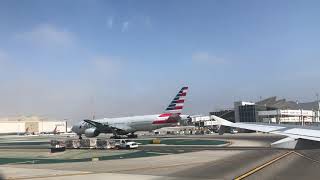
<point x="248" y="157"/>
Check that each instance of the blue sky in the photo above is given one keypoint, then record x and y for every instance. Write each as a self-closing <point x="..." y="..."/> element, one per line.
<point x="68" y="59"/>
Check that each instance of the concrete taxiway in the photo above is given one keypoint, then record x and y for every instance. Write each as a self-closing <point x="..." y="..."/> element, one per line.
<point x="248" y="157"/>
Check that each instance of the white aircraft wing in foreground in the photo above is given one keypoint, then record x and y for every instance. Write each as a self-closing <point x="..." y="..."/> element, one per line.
<point x="297" y="136"/>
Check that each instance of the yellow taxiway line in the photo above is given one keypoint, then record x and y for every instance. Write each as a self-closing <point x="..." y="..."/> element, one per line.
<point x="263" y="166"/>
<point x="309" y="158"/>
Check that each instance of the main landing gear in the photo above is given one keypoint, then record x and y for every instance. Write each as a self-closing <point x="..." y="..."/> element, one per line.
<point x="115" y="136"/>
<point x="132" y="135"/>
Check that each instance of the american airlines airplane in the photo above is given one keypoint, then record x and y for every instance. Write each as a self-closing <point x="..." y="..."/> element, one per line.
<point x="129" y="125"/>
<point x="298" y="137"/>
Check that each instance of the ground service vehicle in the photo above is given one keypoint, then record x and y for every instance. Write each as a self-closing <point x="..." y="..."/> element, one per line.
<point x="126" y="144"/>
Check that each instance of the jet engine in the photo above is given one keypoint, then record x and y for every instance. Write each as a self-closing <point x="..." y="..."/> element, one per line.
<point x="91" y="132"/>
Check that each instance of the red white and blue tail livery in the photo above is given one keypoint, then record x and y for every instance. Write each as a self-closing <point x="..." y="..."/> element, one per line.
<point x="172" y="112"/>
<point x="176" y="105"/>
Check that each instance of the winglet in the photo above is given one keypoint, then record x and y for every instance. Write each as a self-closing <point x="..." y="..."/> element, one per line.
<point x="222" y="121"/>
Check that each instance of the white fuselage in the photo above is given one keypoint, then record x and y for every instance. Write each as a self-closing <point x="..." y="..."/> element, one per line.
<point x="130" y="124"/>
<point x="134" y="123"/>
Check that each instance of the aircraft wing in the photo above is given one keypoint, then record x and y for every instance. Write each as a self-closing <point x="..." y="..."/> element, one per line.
<point x="106" y="128"/>
<point x="101" y="127"/>
<point x="292" y="131"/>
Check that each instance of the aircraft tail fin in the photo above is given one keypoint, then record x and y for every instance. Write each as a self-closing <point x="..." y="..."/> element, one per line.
<point x="176" y="105"/>
<point x="55" y="130"/>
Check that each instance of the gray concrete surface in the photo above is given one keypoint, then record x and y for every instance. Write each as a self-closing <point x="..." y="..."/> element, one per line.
<point x="248" y="152"/>
<point x="27" y="173"/>
<point x="293" y="166"/>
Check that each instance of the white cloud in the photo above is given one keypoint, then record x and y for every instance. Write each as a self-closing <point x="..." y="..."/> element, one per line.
<point x="205" y="57"/>
<point x="125" y="26"/>
<point x="110" y="22"/>
<point x="47" y="34"/>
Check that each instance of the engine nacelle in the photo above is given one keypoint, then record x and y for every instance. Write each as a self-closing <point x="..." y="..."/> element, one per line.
<point x="91" y="132"/>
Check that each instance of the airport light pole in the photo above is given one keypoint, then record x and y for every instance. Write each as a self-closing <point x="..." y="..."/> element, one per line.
<point x="19" y="120"/>
<point x="66" y="120"/>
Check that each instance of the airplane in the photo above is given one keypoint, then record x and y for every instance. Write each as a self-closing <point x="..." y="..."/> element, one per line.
<point x="298" y="137"/>
<point x="54" y="132"/>
<point x="129" y="125"/>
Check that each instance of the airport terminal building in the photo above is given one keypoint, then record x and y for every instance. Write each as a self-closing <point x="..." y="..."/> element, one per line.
<point x="270" y="110"/>
<point x="31" y="125"/>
